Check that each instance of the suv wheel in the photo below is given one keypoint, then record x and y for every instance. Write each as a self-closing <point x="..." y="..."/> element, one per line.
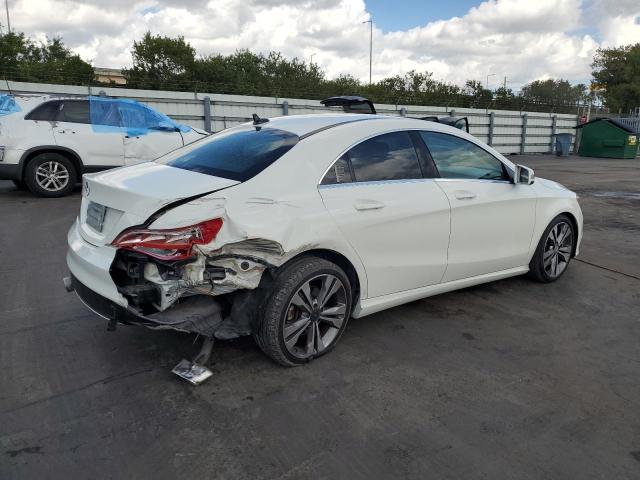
<point x="50" y="175"/>
<point x="306" y="313"/>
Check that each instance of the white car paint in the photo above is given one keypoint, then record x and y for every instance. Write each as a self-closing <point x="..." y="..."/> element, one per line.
<point x="406" y="240"/>
<point x="92" y="148"/>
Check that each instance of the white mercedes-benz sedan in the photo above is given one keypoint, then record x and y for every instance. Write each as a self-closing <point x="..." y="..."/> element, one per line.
<point x="285" y="228"/>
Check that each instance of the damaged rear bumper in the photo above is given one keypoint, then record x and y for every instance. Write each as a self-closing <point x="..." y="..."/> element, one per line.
<point x="198" y="315"/>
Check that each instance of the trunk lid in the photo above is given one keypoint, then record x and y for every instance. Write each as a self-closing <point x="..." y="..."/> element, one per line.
<point x="128" y="196"/>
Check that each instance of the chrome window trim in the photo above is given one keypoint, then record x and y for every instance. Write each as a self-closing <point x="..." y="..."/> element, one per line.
<point x="376" y="182"/>
<point x="484" y="180"/>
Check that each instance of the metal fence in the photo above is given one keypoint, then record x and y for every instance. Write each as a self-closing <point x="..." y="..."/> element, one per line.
<point x="632" y="122"/>
<point x="507" y="131"/>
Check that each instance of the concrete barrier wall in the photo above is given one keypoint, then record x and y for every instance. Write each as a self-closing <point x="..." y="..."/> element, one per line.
<point x="507" y="131"/>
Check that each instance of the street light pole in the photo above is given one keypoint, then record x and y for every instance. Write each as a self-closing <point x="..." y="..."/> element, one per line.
<point x="6" y="4"/>
<point x="370" y="22"/>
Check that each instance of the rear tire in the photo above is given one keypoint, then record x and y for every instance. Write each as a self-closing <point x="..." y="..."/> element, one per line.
<point x="554" y="251"/>
<point x="50" y="175"/>
<point x="306" y="313"/>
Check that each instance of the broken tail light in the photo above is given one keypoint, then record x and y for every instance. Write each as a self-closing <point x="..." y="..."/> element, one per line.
<point x="171" y="244"/>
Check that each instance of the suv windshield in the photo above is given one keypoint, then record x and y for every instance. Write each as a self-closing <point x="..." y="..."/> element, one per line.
<point x="237" y="154"/>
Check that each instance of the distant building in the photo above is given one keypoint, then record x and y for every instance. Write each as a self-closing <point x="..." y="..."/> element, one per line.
<point x="109" y="75"/>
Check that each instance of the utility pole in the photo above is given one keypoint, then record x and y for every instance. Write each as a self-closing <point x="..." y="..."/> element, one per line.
<point x="370" y="22"/>
<point x="505" y="83"/>
<point x="6" y="4"/>
<point x="490" y="75"/>
<point x="311" y="61"/>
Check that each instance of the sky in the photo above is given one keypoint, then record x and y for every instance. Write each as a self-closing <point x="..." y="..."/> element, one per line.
<point x="523" y="40"/>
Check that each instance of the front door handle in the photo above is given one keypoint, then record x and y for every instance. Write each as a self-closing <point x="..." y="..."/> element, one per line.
<point x="66" y="131"/>
<point x="464" y="195"/>
<point x="361" y="205"/>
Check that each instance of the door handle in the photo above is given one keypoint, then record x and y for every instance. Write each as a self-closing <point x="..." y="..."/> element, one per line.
<point x="66" y="131"/>
<point x="361" y="205"/>
<point x="464" y="195"/>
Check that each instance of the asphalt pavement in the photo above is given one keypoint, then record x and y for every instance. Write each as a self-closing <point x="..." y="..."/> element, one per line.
<point x="512" y="379"/>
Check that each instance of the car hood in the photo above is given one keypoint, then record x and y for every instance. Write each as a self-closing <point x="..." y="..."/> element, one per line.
<point x="133" y="194"/>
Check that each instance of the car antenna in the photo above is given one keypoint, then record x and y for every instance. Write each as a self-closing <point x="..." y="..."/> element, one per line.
<point x="257" y="120"/>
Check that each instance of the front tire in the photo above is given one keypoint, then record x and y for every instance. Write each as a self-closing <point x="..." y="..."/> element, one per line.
<point x="51" y="175"/>
<point x="306" y="313"/>
<point x="554" y="251"/>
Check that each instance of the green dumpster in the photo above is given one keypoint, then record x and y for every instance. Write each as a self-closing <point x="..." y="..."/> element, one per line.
<point x="607" y="137"/>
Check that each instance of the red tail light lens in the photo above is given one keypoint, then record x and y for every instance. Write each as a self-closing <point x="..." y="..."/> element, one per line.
<point x="174" y="244"/>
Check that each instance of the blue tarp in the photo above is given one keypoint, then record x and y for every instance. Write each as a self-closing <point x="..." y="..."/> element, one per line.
<point x="8" y="105"/>
<point x="136" y="119"/>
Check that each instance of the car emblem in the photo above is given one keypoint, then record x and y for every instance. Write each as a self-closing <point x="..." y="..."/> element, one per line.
<point x="86" y="189"/>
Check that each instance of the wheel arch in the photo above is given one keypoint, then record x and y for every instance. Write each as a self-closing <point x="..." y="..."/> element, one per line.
<point x="30" y="154"/>
<point x="342" y="261"/>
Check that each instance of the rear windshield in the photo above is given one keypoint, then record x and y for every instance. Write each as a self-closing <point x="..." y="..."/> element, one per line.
<point x="237" y="154"/>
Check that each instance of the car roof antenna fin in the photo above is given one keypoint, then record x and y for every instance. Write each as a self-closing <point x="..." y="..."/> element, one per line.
<point x="257" y="120"/>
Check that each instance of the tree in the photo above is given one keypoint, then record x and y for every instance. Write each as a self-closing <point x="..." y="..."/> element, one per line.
<point x="161" y="62"/>
<point x="551" y="93"/>
<point x="477" y="95"/>
<point x="22" y="59"/>
<point x="616" y="77"/>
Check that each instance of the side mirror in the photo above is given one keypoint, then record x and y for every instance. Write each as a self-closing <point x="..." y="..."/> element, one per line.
<point x="523" y="175"/>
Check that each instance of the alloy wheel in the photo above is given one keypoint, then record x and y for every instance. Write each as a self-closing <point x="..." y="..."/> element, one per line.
<point x="52" y="176"/>
<point x="557" y="249"/>
<point x="314" y="316"/>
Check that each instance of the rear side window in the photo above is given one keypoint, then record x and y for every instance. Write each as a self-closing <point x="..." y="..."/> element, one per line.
<point x="391" y="156"/>
<point x="47" y="112"/>
<point x="75" y="111"/>
<point x="456" y="157"/>
<point x="237" y="155"/>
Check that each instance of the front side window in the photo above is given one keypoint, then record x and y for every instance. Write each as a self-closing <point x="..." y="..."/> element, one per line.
<point x="390" y="156"/>
<point x="235" y="154"/>
<point x="135" y="115"/>
<point x="456" y="157"/>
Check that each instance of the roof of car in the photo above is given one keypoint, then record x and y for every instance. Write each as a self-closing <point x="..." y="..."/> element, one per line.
<point x="305" y="125"/>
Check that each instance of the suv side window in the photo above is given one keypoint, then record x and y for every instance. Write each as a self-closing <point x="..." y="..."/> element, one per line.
<point x="138" y="116"/>
<point x="75" y="111"/>
<point x="390" y="156"/>
<point x="48" y="111"/>
<point x="456" y="157"/>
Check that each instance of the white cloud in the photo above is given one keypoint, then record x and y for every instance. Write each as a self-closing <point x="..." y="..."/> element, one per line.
<point x="521" y="39"/>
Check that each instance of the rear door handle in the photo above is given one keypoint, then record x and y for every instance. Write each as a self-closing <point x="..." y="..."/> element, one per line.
<point x="464" y="195"/>
<point x="361" y="205"/>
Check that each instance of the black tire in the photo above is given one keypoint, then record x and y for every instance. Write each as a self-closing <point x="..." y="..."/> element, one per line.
<point x="269" y="334"/>
<point x="20" y="185"/>
<point x="537" y="268"/>
<point x="36" y="182"/>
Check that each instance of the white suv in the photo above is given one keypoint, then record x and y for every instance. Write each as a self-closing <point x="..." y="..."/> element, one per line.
<point x="48" y="142"/>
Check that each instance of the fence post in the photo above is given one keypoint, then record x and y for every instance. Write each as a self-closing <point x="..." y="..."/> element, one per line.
<point x="207" y="114"/>
<point x="523" y="137"/>
<point x="554" y="127"/>
<point x="285" y="108"/>
<point x="492" y="121"/>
